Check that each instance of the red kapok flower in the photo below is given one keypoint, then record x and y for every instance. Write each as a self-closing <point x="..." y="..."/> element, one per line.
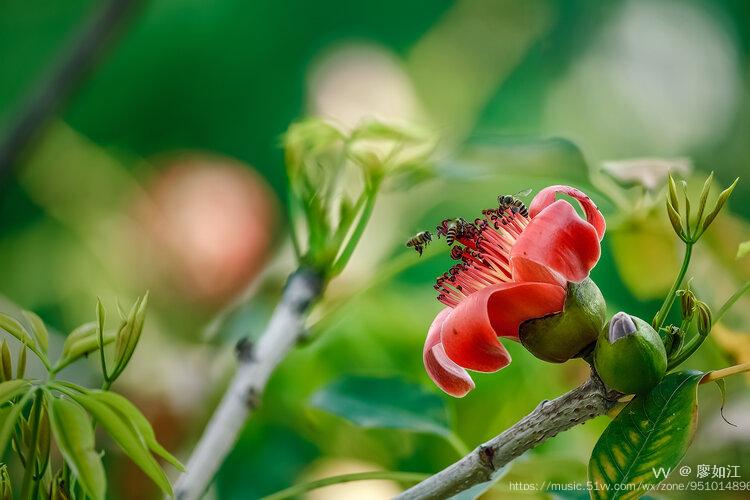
<point x="515" y="266"/>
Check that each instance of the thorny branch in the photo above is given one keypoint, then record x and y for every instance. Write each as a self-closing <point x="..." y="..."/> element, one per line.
<point x="577" y="406"/>
<point x="256" y="364"/>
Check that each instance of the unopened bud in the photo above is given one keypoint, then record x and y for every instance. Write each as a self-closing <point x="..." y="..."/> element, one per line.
<point x="704" y="321"/>
<point x="672" y="339"/>
<point x="630" y="356"/>
<point x="620" y="326"/>
<point x="687" y="303"/>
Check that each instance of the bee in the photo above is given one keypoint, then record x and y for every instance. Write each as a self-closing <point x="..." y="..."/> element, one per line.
<point x="419" y="241"/>
<point x="455" y="229"/>
<point x="513" y="203"/>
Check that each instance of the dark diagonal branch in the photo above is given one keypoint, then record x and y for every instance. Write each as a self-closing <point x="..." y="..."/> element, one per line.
<point x="577" y="406"/>
<point x="70" y="67"/>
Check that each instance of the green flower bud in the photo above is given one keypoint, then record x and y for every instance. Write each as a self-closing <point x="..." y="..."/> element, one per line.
<point x="570" y="333"/>
<point x="704" y="321"/>
<point x="629" y="356"/>
<point x="687" y="302"/>
<point x="672" y="338"/>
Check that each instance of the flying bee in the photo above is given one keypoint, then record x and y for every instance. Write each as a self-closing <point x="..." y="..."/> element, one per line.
<point x="513" y="203"/>
<point x="419" y="241"/>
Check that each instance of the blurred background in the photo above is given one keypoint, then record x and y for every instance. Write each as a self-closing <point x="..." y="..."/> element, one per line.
<point x="163" y="171"/>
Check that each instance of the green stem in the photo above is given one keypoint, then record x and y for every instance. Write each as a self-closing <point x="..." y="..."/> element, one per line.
<point x="356" y="234"/>
<point x="687" y="351"/>
<point x="407" y="477"/>
<point x="28" y="474"/>
<point x="730" y="301"/>
<point x="293" y="209"/>
<point x="669" y="300"/>
<point x="697" y="341"/>
<point x="345" y="225"/>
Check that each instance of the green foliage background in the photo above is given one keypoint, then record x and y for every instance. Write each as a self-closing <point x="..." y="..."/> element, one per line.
<point x="525" y="94"/>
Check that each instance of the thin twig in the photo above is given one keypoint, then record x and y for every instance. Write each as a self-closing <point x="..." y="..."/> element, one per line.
<point x="725" y="372"/>
<point x="298" y="489"/>
<point x="256" y="364"/>
<point x="57" y="84"/>
<point x="577" y="406"/>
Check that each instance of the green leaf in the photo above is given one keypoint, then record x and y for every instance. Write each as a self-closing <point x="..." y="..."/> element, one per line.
<point x="82" y="341"/>
<point x="704" y="197"/>
<point x="385" y="403"/>
<point x="100" y="315"/>
<point x="720" y="202"/>
<point x="6" y="491"/>
<point x="9" y="412"/>
<point x="8" y="418"/>
<point x="11" y="389"/>
<point x="130" y="413"/>
<point x="43" y="440"/>
<point x="38" y="329"/>
<point x="6" y="365"/>
<point x="21" y="363"/>
<point x="653" y="431"/>
<point x="15" y="328"/>
<point x="687" y="207"/>
<point x="675" y="219"/>
<point x="80" y="333"/>
<point x="743" y="249"/>
<point x="124" y="434"/>
<point x="74" y="435"/>
<point x="672" y="192"/>
<point x="129" y="334"/>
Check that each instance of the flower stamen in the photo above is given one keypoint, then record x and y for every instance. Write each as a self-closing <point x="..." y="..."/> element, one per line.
<point x="483" y="249"/>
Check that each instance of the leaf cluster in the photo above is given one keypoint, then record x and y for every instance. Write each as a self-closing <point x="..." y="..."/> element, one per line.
<point x="33" y="413"/>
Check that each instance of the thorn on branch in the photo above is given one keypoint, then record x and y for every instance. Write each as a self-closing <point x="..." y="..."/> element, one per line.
<point x="252" y="399"/>
<point x="244" y="349"/>
<point x="313" y="281"/>
<point x="486" y="456"/>
<point x="541" y="405"/>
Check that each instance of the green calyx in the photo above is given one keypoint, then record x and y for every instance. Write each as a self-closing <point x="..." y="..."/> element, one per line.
<point x="630" y="356"/>
<point x="570" y="333"/>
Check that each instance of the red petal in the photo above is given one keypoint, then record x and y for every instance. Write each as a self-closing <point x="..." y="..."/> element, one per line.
<point x="546" y="197"/>
<point x="470" y="332"/>
<point x="442" y="370"/>
<point x="560" y="241"/>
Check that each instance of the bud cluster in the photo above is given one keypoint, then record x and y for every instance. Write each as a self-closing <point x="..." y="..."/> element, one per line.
<point x="694" y="309"/>
<point x="334" y="178"/>
<point x="687" y="229"/>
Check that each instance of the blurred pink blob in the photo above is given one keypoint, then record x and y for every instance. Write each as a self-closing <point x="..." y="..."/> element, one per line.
<point x="210" y="221"/>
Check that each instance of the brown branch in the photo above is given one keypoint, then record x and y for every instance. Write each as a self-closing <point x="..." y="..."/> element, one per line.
<point x="57" y="84"/>
<point x="577" y="406"/>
